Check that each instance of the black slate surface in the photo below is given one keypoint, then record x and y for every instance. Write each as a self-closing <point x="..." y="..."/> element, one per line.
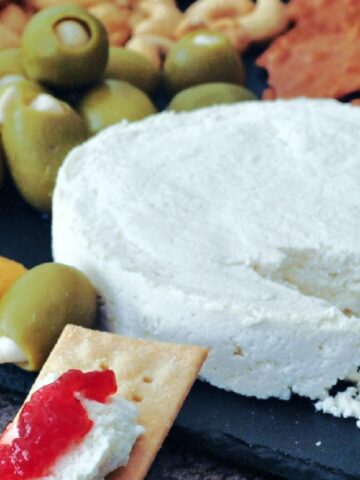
<point x="275" y="436"/>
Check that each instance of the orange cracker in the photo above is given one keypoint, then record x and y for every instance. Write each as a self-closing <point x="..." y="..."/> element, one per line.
<point x="319" y="56"/>
<point x="324" y="14"/>
<point x="319" y="66"/>
<point x="157" y="376"/>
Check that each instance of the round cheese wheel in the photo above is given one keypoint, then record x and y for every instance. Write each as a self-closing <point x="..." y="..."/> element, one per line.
<point x="234" y="227"/>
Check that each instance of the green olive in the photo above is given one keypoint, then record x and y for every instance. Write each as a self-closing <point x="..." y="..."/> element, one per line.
<point x="65" y="47"/>
<point x="36" y="308"/>
<point x="202" y="57"/>
<point x="37" y="136"/>
<point x="7" y="80"/>
<point x="209" y="94"/>
<point x="127" y="65"/>
<point x="112" y="102"/>
<point x="11" y="79"/>
<point x="26" y="89"/>
<point x="10" y="63"/>
<point x="20" y="89"/>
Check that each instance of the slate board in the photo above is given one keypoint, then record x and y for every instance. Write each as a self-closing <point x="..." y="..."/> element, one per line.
<point x="272" y="435"/>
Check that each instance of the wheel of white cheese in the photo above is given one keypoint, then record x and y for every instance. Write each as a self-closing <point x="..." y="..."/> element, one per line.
<point x="234" y="227"/>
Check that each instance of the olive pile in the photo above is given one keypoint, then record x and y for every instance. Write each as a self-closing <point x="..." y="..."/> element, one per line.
<point x="65" y="84"/>
<point x="54" y="94"/>
<point x="204" y="69"/>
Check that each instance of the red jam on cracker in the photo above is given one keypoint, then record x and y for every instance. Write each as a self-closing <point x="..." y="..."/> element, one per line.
<point x="51" y="423"/>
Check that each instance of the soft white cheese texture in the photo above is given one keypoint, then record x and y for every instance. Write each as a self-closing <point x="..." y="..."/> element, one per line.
<point x="106" y="447"/>
<point x="344" y="404"/>
<point x="233" y="227"/>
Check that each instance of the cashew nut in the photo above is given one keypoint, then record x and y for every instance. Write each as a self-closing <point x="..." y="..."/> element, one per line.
<point x="236" y="35"/>
<point x="265" y="21"/>
<point x="204" y="13"/>
<point x="41" y="4"/>
<point x="116" y="20"/>
<point x="156" y="17"/>
<point x="153" y="47"/>
<point x="14" y="17"/>
<point x="120" y="37"/>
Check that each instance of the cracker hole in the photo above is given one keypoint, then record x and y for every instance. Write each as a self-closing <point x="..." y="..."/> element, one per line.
<point x="104" y="366"/>
<point x="147" y="379"/>
<point x="136" y="398"/>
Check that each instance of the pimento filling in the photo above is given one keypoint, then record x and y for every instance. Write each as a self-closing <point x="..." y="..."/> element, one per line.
<point x="52" y="422"/>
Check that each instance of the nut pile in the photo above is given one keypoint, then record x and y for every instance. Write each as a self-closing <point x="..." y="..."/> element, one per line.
<point x="151" y="27"/>
<point x="13" y="19"/>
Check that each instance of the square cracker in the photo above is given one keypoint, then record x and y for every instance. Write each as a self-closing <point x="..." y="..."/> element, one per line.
<point x="157" y="376"/>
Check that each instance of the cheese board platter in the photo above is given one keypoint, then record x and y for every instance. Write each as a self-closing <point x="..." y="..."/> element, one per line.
<point x="285" y="438"/>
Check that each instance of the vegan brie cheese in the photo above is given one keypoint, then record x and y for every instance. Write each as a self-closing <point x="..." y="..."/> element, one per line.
<point x="233" y="227"/>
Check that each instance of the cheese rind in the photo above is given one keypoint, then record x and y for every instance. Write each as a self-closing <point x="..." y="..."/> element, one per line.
<point x="234" y="228"/>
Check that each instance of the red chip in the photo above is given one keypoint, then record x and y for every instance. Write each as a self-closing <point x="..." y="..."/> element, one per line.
<point x="318" y="57"/>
